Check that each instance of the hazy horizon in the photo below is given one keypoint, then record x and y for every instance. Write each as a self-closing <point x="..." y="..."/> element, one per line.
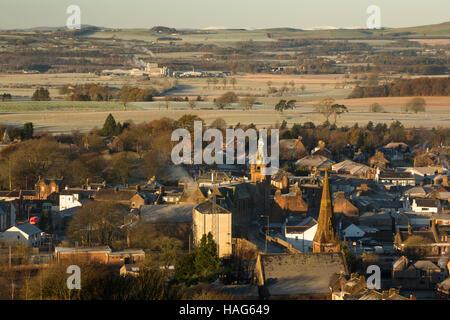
<point x="233" y="14"/>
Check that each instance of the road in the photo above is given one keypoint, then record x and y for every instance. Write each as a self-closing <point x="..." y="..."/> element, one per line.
<point x="255" y="237"/>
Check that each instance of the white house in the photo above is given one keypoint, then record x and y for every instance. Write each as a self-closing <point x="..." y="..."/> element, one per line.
<point x="300" y="232"/>
<point x="25" y="233"/>
<point x="69" y="200"/>
<point x="395" y="178"/>
<point x="426" y="205"/>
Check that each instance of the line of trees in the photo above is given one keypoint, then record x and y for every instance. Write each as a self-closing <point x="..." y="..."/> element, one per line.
<point x="405" y="87"/>
<point x="86" y="92"/>
<point x="6" y="97"/>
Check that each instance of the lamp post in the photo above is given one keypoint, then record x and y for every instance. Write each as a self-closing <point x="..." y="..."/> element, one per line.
<point x="267" y="230"/>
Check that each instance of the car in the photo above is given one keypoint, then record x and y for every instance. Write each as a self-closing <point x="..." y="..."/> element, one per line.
<point x="368" y="250"/>
<point x="379" y="249"/>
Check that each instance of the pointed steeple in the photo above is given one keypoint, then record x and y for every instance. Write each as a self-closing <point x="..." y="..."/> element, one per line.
<point x="326" y="239"/>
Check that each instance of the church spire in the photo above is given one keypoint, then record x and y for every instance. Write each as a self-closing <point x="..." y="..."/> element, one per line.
<point x="326" y="239"/>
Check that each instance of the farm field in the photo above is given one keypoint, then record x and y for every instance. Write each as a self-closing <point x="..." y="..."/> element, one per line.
<point x="438" y="110"/>
<point x="22" y="86"/>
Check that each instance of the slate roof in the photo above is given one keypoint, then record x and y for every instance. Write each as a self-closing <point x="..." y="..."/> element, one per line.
<point x="351" y="167"/>
<point x="431" y="203"/>
<point x="296" y="226"/>
<point x="429" y="171"/>
<point x="105" y="249"/>
<point x="208" y="207"/>
<point x="414" y="191"/>
<point x="404" y="235"/>
<point x="396" y="175"/>
<point x="425" y="265"/>
<point x="292" y="146"/>
<point x="28" y="228"/>
<point x="167" y="213"/>
<point x="16" y="194"/>
<point x="314" y="161"/>
<point x="306" y="273"/>
<point x="192" y="194"/>
<point x="113" y="195"/>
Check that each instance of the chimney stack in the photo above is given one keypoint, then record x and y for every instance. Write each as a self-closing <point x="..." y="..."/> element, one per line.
<point x="445" y="180"/>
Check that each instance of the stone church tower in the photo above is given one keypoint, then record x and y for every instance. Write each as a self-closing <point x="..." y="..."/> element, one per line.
<point x="326" y="239"/>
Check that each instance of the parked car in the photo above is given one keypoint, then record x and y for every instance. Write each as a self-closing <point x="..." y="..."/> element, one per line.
<point x="379" y="249"/>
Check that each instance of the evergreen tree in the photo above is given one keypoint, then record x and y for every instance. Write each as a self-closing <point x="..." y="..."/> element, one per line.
<point x="184" y="270"/>
<point x="28" y="130"/>
<point x="41" y="94"/>
<point x="109" y="127"/>
<point x="203" y="264"/>
<point x="207" y="263"/>
<point x="45" y="222"/>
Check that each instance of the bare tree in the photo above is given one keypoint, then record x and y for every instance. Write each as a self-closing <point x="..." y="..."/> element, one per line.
<point x="248" y="102"/>
<point x="324" y="107"/>
<point x="416" y="105"/>
<point x="338" y="109"/>
<point x="192" y="104"/>
<point x="233" y="82"/>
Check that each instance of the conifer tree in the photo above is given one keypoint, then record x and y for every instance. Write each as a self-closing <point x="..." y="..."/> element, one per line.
<point x="109" y="127"/>
<point x="207" y="262"/>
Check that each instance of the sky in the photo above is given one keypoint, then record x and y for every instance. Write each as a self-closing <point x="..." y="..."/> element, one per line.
<point x="222" y="13"/>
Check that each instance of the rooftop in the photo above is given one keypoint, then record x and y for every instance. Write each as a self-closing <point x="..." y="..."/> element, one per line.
<point x="301" y="273"/>
<point x="167" y="213"/>
<point x="209" y="207"/>
<point x="28" y="228"/>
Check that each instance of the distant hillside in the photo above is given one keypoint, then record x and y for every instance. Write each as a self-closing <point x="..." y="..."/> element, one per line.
<point x="441" y="30"/>
<point x="61" y="28"/>
<point x="161" y="29"/>
<point x="432" y="30"/>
